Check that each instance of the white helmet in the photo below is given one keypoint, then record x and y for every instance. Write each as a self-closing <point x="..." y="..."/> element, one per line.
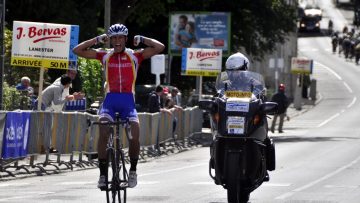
<point x="117" y="29"/>
<point x="237" y="62"/>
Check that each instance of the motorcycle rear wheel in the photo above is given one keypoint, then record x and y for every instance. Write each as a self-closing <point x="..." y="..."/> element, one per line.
<point x="234" y="192"/>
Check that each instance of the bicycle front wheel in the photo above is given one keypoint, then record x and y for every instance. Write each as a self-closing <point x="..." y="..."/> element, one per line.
<point x="112" y="180"/>
<point x="123" y="176"/>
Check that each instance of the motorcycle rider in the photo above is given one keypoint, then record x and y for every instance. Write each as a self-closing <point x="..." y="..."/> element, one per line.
<point x="235" y="64"/>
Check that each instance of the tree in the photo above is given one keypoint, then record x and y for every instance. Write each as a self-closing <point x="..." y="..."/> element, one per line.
<point x="256" y="25"/>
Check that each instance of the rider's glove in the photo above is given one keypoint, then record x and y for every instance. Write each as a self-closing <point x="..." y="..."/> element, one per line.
<point x="101" y="38"/>
<point x="138" y="39"/>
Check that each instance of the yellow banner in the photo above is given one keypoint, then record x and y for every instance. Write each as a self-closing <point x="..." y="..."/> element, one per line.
<point x="202" y="73"/>
<point x="38" y="63"/>
<point x="238" y="94"/>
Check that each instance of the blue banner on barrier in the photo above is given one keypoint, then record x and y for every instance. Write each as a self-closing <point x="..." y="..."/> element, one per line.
<point x="76" y="105"/>
<point x="16" y="134"/>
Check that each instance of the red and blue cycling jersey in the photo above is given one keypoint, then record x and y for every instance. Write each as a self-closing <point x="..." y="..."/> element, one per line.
<point x="120" y="72"/>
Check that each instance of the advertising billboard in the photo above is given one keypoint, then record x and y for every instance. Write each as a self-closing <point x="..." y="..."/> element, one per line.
<point x="201" y="62"/>
<point x="44" y="45"/>
<point x="301" y="65"/>
<point x="208" y="30"/>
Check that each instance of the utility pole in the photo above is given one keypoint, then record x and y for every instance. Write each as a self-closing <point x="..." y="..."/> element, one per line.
<point x="2" y="49"/>
<point x="107" y="18"/>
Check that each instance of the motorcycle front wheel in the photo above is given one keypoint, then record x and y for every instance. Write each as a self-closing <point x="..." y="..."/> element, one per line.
<point x="234" y="192"/>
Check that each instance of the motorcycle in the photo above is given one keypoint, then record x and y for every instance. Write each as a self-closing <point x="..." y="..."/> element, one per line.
<point x="241" y="152"/>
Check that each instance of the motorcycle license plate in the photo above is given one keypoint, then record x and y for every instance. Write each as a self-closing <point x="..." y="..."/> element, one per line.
<point x="235" y="125"/>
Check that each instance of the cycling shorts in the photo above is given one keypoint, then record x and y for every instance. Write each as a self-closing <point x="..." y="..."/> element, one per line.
<point x="123" y="103"/>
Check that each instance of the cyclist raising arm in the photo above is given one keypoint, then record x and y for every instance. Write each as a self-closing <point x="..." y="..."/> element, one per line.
<point x="120" y="65"/>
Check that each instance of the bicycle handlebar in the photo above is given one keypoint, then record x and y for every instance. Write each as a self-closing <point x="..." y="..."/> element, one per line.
<point x="108" y="123"/>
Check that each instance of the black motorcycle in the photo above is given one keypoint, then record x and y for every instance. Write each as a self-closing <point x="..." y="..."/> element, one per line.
<point x="241" y="152"/>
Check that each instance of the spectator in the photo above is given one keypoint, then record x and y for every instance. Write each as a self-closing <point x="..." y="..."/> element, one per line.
<point x="304" y="83"/>
<point x="281" y="99"/>
<point x="175" y="96"/>
<point x="60" y="107"/>
<point x="155" y="101"/>
<point x="53" y="93"/>
<point x="25" y="86"/>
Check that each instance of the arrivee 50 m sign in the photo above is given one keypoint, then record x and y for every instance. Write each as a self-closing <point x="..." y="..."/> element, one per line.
<point x="43" y="44"/>
<point x="201" y="62"/>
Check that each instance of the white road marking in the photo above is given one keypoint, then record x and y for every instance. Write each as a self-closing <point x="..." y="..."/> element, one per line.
<point x="327" y="176"/>
<point x="328" y="120"/>
<point x="148" y="182"/>
<point x="172" y="170"/>
<point x="342" y="186"/>
<point x="348" y="87"/>
<point x="330" y="70"/>
<point x="203" y="183"/>
<point x="13" y="184"/>
<point x="276" y="184"/>
<point x="24" y="196"/>
<point x="352" y="103"/>
<point x="78" y="183"/>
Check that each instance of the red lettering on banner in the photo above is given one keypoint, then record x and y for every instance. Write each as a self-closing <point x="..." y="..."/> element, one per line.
<point x="41" y="33"/>
<point x="207" y="55"/>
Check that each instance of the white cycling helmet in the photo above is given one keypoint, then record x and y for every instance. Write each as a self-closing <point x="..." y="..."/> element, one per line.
<point x="117" y="29"/>
<point x="237" y="62"/>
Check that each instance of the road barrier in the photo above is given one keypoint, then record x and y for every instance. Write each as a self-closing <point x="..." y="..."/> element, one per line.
<point x="25" y="135"/>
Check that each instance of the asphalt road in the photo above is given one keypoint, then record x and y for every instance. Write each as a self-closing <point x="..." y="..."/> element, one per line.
<point x="318" y="156"/>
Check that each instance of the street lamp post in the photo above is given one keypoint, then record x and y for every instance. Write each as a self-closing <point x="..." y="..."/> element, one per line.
<point x="2" y="50"/>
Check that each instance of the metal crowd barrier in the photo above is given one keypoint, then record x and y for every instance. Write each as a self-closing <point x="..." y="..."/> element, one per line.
<point x="58" y="137"/>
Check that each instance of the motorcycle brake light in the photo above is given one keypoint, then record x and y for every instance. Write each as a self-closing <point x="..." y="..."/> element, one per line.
<point x="257" y="119"/>
<point x="216" y="117"/>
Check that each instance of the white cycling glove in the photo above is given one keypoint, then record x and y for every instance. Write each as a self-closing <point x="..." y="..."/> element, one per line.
<point x="138" y="39"/>
<point x="101" y="38"/>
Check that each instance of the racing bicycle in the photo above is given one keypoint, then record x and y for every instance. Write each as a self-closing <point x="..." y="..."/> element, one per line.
<point x="117" y="178"/>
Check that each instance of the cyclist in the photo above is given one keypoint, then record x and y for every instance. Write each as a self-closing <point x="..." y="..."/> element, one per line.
<point x="120" y="66"/>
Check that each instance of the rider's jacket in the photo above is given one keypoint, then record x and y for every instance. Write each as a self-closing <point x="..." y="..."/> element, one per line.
<point x="120" y="69"/>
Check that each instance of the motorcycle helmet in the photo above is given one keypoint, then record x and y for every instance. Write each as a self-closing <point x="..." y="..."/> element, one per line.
<point x="281" y="87"/>
<point x="237" y="62"/>
<point x="117" y="29"/>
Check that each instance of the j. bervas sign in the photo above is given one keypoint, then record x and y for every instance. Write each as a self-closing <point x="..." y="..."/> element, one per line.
<point x="43" y="44"/>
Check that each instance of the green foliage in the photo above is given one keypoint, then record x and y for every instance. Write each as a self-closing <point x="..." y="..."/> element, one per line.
<point x="14" y="99"/>
<point x="91" y="75"/>
<point x="13" y="74"/>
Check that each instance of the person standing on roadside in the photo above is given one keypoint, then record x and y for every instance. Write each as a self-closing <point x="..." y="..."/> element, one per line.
<point x="72" y="74"/>
<point x="281" y="99"/>
<point x="120" y="65"/>
<point x="53" y="94"/>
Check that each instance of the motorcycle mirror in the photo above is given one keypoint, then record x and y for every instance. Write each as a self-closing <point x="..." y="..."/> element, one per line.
<point x="269" y="108"/>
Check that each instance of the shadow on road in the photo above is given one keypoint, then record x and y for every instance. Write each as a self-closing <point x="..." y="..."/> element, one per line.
<point x="310" y="139"/>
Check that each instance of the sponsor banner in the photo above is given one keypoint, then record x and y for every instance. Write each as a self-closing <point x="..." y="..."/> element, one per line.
<point x="209" y="30"/>
<point x="43" y="44"/>
<point x="201" y="62"/>
<point x="301" y="65"/>
<point x="235" y="125"/>
<point x="16" y="135"/>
